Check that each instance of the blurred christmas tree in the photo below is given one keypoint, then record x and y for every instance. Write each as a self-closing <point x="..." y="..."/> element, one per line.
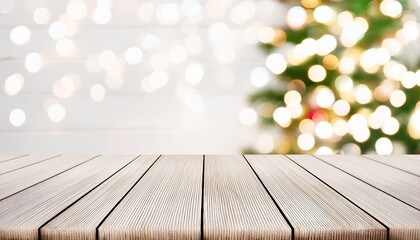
<point x="343" y="85"/>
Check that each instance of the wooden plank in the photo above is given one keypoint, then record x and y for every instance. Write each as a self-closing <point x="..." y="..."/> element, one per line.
<point x="4" y="158"/>
<point x="401" y="185"/>
<point x="81" y="220"/>
<point x="164" y="204"/>
<point x="24" y="213"/>
<point x="314" y="210"/>
<point x="236" y="205"/>
<point x="398" y="161"/>
<point x="402" y="220"/>
<point x="13" y="182"/>
<point x="18" y="163"/>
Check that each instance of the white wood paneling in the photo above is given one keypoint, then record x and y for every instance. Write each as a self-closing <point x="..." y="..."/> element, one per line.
<point x="130" y="120"/>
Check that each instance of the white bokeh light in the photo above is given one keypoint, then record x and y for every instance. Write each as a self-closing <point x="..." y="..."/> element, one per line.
<point x="65" y="47"/>
<point x="17" y="117"/>
<point x="102" y="15"/>
<point x="306" y="141"/>
<point x="276" y="63"/>
<point x="259" y="77"/>
<point x="248" y="116"/>
<point x="383" y="146"/>
<point x="97" y="92"/>
<point x="57" y="30"/>
<point x="168" y="13"/>
<point x="77" y="9"/>
<point x="41" y="16"/>
<point x="133" y="55"/>
<point x="13" y="84"/>
<point x="194" y="73"/>
<point x="33" y="62"/>
<point x="56" y="112"/>
<point x="20" y="35"/>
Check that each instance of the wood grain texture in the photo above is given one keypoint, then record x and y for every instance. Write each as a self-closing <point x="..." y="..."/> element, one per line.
<point x="164" y="204"/>
<point x="20" y="179"/>
<point x="4" y="158"/>
<point x="24" y="213"/>
<point x="402" y="220"/>
<point x="18" y="163"/>
<point x="236" y="205"/>
<point x="314" y="210"/>
<point x="400" y="162"/>
<point x="81" y="220"/>
<point x="402" y="185"/>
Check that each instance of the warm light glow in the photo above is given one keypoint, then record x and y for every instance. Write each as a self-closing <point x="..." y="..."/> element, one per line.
<point x="259" y="77"/>
<point x="266" y="34"/>
<point x="324" y="14"/>
<point x="347" y="65"/>
<point x="341" y="107"/>
<point x="324" y="151"/>
<point x="276" y="63"/>
<point x="397" y="98"/>
<point x="306" y="126"/>
<point x="306" y="141"/>
<point x="343" y="83"/>
<point x="295" y="109"/>
<point x="265" y="144"/>
<point x="317" y="73"/>
<point x="383" y="146"/>
<point x="390" y="126"/>
<point x="282" y="116"/>
<point x="330" y="62"/>
<point x="17" y="117"/>
<point x="292" y="96"/>
<point x="248" y="117"/>
<point x="310" y="3"/>
<point x="13" y="84"/>
<point x="324" y="130"/>
<point x="326" y="44"/>
<point x="392" y="45"/>
<point x="391" y="8"/>
<point x="325" y="97"/>
<point x="363" y="94"/>
<point x="20" y="35"/>
<point x="413" y="124"/>
<point x="296" y="17"/>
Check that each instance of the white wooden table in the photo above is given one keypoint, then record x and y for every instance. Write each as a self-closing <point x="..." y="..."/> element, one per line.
<point x="210" y="197"/>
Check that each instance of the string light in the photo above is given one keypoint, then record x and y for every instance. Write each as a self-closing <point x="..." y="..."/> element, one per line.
<point x="41" y="16"/>
<point x="248" y="116"/>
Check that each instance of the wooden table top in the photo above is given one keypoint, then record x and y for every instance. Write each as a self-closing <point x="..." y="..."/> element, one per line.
<point x="210" y="197"/>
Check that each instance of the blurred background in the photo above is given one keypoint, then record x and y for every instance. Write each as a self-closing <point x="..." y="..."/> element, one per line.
<point x="214" y="76"/>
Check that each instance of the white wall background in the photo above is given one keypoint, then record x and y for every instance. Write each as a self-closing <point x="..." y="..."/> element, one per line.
<point x="178" y="118"/>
